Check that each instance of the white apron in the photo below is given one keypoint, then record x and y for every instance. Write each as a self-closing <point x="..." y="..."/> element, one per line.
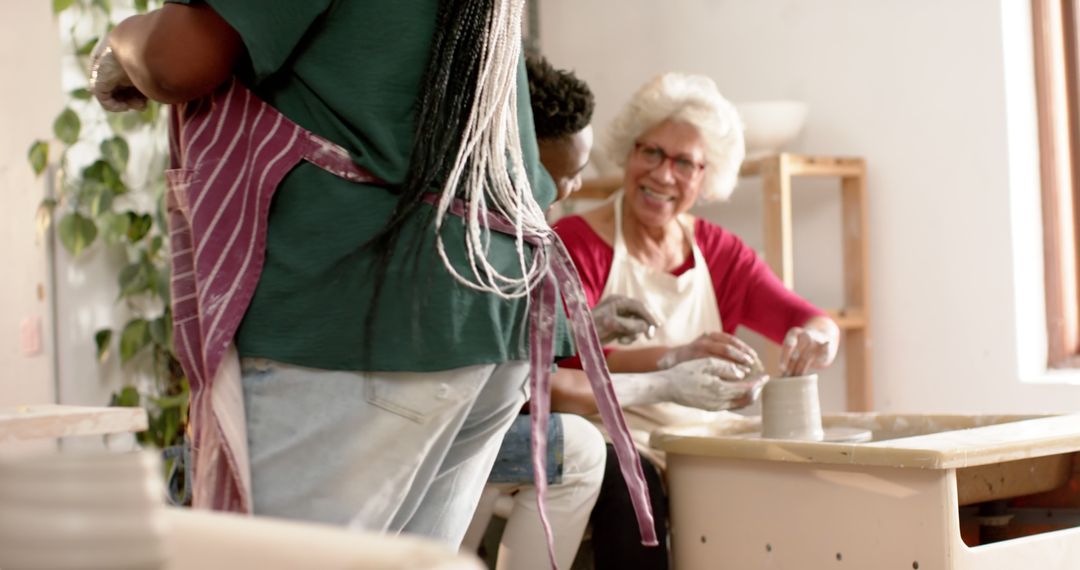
<point x="686" y="306"/>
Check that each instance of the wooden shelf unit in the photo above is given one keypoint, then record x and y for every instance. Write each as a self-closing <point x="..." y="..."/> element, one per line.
<point x="776" y="172"/>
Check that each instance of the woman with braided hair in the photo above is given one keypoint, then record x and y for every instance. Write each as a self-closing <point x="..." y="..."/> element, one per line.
<point x="363" y="279"/>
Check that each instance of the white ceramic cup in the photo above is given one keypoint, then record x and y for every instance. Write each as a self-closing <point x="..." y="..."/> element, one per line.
<point x="790" y="409"/>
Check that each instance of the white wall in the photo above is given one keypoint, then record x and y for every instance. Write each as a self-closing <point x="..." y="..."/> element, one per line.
<point x="30" y="99"/>
<point x="930" y="93"/>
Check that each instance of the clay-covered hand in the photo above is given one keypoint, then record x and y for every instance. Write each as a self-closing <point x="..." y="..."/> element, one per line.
<point x="806" y="349"/>
<point x="109" y="82"/>
<point x="713" y="345"/>
<point x="623" y="318"/>
<point x="712" y="384"/>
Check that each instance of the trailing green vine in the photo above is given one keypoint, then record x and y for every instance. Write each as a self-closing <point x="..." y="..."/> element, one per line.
<point x="105" y="198"/>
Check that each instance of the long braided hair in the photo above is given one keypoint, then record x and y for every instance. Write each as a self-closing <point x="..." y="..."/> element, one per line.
<point x="467" y="145"/>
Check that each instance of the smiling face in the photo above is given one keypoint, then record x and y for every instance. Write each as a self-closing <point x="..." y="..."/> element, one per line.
<point x="564" y="158"/>
<point x="664" y="173"/>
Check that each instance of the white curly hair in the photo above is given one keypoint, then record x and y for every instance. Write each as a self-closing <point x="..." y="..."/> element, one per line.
<point x="691" y="99"/>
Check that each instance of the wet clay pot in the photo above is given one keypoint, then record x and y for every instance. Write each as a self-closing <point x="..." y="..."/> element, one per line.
<point x="790" y="409"/>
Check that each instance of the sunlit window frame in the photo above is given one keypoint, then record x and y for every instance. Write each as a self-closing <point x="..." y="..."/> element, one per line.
<point x="1057" y="71"/>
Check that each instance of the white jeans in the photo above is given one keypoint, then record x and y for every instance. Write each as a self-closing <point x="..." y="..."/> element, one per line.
<point x="387" y="451"/>
<point x="569" y="503"/>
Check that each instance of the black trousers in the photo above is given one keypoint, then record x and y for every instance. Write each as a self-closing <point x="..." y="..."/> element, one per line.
<point x="616" y="541"/>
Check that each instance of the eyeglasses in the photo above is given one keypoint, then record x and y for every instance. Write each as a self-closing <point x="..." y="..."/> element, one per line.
<point x="652" y="156"/>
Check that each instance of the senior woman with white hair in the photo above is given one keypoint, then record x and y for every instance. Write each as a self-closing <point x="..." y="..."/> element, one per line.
<point x="679" y="142"/>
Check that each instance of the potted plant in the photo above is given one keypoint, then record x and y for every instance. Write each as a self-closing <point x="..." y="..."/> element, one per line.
<point x="109" y="197"/>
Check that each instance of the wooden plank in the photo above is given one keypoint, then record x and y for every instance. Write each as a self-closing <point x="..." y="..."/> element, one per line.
<point x="859" y="389"/>
<point x="853" y="216"/>
<point x="52" y="421"/>
<point x="856" y="294"/>
<point x="753" y="167"/>
<point x="803" y="165"/>
<point x="776" y="210"/>
<point x="848" y="317"/>
<point x="1010" y="479"/>
<point x="798" y="165"/>
<point x="806" y="165"/>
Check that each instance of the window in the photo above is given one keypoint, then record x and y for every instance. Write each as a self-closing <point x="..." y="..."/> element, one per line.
<point x="1057" y="70"/>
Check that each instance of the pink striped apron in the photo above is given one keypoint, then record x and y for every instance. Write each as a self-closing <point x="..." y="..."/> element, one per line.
<point x="229" y="152"/>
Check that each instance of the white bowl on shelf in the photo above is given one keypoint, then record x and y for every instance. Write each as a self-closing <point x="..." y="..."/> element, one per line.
<point x="769" y="126"/>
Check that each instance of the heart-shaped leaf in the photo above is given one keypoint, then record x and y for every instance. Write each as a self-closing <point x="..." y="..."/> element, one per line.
<point x="103" y="172"/>
<point x="66" y="127"/>
<point x="134" y="338"/>
<point x="116" y="152"/>
<point x="134" y="279"/>
<point x="116" y="227"/>
<point x="103" y="339"/>
<point x="128" y="397"/>
<point x="77" y="232"/>
<point x="101" y="201"/>
<point x="39" y="156"/>
<point x="140" y="226"/>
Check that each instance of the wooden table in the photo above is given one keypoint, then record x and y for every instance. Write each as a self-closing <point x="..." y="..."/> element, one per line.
<point x="53" y="421"/>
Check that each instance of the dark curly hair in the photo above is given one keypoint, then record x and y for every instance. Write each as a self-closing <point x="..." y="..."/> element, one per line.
<point x="562" y="104"/>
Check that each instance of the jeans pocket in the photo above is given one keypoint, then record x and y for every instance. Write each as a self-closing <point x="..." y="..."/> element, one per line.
<point x="417" y="398"/>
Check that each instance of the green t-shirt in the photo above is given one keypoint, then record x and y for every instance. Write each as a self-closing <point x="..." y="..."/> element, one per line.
<point x="351" y="72"/>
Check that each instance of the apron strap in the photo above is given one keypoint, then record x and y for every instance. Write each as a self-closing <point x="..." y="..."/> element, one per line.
<point x="334" y="159"/>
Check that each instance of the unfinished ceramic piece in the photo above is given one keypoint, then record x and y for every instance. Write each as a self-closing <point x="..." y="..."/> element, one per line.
<point x="790" y="409"/>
